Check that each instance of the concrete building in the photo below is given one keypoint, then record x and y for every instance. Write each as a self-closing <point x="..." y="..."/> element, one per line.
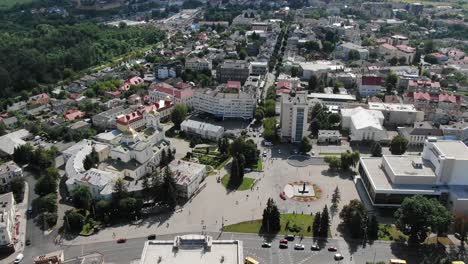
<point x="164" y="72"/>
<point x="106" y="119"/>
<point x="419" y="133"/>
<point x="398" y="114"/>
<point x="224" y="102"/>
<point x="370" y="85"/>
<point x="458" y="131"/>
<point x="331" y="100"/>
<point x="193" y="249"/>
<point x="364" y="124"/>
<point x="7" y="222"/>
<point x="188" y="176"/>
<point x="342" y="51"/>
<point x="258" y="67"/>
<point x="12" y="140"/>
<point x="293" y="119"/>
<point x="201" y="129"/>
<point x="198" y="64"/>
<point x="318" y="68"/>
<point x="439" y="172"/>
<point x="233" y="70"/>
<point x="9" y="171"/>
<point x="329" y="136"/>
<point x="182" y="93"/>
<point x="427" y="86"/>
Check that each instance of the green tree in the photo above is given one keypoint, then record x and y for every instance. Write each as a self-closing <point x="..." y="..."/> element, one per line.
<point x="23" y="154"/>
<point x="431" y="59"/>
<point x="270" y="108"/>
<point x="169" y="189"/>
<point x="312" y="84"/>
<point x="17" y="187"/>
<point x="81" y="197"/>
<point x="334" y="119"/>
<point x="271" y="218"/>
<point x="402" y="60"/>
<point x="102" y="208"/>
<point x="336" y="196"/>
<point x="393" y="61"/>
<point x="270" y="131"/>
<point x="376" y="149"/>
<point x="47" y="203"/>
<point x="223" y="145"/>
<point x="316" y="225"/>
<point x="48" y="219"/>
<point x="334" y="162"/>
<point x="372" y="228"/>
<point x="259" y="114"/>
<point x="429" y="46"/>
<point x="324" y="222"/>
<point x="353" y="55"/>
<point x="353" y="215"/>
<point x="178" y="115"/>
<point x="349" y="159"/>
<point x="128" y="206"/>
<point x="45" y="185"/>
<point x="120" y="191"/>
<point x="417" y="57"/>
<point x="398" y="145"/>
<point x="305" y="145"/>
<point x="74" y="221"/>
<point x="419" y="215"/>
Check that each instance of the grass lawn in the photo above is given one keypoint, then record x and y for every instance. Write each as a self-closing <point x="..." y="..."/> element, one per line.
<point x="390" y="232"/>
<point x="245" y="185"/>
<point x="259" y="165"/>
<point x="302" y="221"/>
<point x="7" y="4"/>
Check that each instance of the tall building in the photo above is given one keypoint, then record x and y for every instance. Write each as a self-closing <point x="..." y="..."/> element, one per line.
<point x="293" y="120"/>
<point x="7" y="221"/>
<point x="233" y="70"/>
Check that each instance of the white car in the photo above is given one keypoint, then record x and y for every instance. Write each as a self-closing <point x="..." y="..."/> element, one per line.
<point x="19" y="258"/>
<point x="299" y="247"/>
<point x="338" y="256"/>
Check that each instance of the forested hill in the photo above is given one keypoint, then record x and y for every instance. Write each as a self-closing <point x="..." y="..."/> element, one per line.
<point x="43" y="49"/>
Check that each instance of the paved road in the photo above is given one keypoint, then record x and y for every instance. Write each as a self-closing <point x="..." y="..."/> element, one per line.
<point x="378" y="251"/>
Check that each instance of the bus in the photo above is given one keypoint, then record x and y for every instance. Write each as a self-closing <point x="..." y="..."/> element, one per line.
<point x="458" y="262"/>
<point x="250" y="260"/>
<point x="397" y="261"/>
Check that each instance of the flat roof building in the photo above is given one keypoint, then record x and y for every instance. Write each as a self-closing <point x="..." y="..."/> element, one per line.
<point x="201" y="129"/>
<point x="193" y="249"/>
<point x="293" y="120"/>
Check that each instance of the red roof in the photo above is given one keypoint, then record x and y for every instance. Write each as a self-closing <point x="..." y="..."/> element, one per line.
<point x="284" y="84"/>
<point x="372" y="80"/>
<point x="129" y="118"/>
<point x="74" y="96"/>
<point x="113" y="93"/>
<point x="72" y="114"/>
<point x="233" y="85"/>
<point x="421" y="96"/>
<point x="414" y="83"/>
<point x="171" y="90"/>
<point x="447" y="98"/>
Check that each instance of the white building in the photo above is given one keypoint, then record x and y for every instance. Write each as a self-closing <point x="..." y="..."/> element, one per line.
<point x="293" y="119"/>
<point x="165" y="72"/>
<point x="224" y="102"/>
<point x="201" y="129"/>
<point x="329" y="136"/>
<point x="331" y="100"/>
<point x="342" y="51"/>
<point x="9" y="171"/>
<point x="419" y="133"/>
<point x="7" y="221"/>
<point x="193" y="249"/>
<point x="370" y="85"/>
<point x="458" y="131"/>
<point x="10" y="141"/>
<point x="440" y="170"/>
<point x="363" y="124"/>
<point x="188" y="176"/>
<point x="318" y="68"/>
<point x="398" y="114"/>
<point x="258" y="67"/>
<point x="198" y="64"/>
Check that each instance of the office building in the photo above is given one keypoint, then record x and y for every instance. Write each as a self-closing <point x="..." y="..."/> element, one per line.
<point x="233" y="70"/>
<point x="293" y="119"/>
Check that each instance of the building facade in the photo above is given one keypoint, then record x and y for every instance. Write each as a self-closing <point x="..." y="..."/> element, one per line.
<point x="233" y="70"/>
<point x="293" y="119"/>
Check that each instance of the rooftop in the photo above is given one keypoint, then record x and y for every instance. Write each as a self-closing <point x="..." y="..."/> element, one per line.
<point x="184" y="171"/>
<point x="330" y="97"/>
<point x="201" y="125"/>
<point x="452" y="148"/>
<point x="392" y="107"/>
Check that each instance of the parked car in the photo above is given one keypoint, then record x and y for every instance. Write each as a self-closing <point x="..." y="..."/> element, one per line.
<point x="283" y="241"/>
<point x="121" y="240"/>
<point x="19" y="258"/>
<point x="289" y="237"/>
<point x="264" y="153"/>
<point x="299" y="247"/>
<point x="315" y="247"/>
<point x="28" y="242"/>
<point x="338" y="256"/>
<point x="152" y="237"/>
<point x="283" y="245"/>
<point x="282" y="195"/>
<point x="266" y="245"/>
<point x="332" y="249"/>
<point x="30" y="210"/>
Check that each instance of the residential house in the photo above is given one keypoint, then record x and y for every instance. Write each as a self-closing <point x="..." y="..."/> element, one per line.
<point x="198" y="64"/>
<point x="38" y="100"/>
<point x="72" y="114"/>
<point x="9" y="171"/>
<point x="370" y="85"/>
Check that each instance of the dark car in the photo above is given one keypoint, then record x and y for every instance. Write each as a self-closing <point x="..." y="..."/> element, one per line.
<point x="152" y="237"/>
<point x="283" y="245"/>
<point x="28" y="242"/>
<point x="332" y="249"/>
<point x="289" y="237"/>
<point x="266" y="245"/>
<point x="121" y="240"/>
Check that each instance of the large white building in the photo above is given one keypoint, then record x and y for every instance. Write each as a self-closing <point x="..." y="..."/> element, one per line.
<point x="181" y="94"/>
<point x="440" y="171"/>
<point x="201" y="129"/>
<point x="293" y="120"/>
<point x="398" y="114"/>
<point x="363" y="124"/>
<point x="188" y="176"/>
<point x="458" y="131"/>
<point x="342" y="51"/>
<point x="193" y="249"/>
<point x="318" y="68"/>
<point x="7" y="221"/>
<point x="224" y="102"/>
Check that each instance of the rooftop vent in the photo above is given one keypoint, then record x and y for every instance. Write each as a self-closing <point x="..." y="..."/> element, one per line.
<point x="417" y="165"/>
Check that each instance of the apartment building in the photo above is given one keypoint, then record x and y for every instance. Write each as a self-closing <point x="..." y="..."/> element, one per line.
<point x="182" y="93"/>
<point x="9" y="171"/>
<point x="198" y="64"/>
<point x="233" y="70"/>
<point x="7" y="221"/>
<point x="398" y="114"/>
<point x="259" y="67"/>
<point x="293" y="120"/>
<point x="342" y="51"/>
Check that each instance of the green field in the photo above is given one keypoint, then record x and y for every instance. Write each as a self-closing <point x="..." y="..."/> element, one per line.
<point x="390" y="233"/>
<point x="300" y="220"/>
<point x="245" y="185"/>
<point x="6" y="4"/>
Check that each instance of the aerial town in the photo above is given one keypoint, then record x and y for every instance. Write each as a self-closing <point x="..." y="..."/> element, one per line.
<point x="233" y="131"/>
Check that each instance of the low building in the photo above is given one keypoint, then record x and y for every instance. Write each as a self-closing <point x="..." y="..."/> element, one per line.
<point x="55" y="257"/>
<point x="258" y="67"/>
<point x="38" y="100"/>
<point x="72" y="114"/>
<point x="164" y="72"/>
<point x="9" y="171"/>
<point x="329" y="136"/>
<point x="293" y="119"/>
<point x="106" y="119"/>
<point x="188" y="176"/>
<point x="318" y="68"/>
<point x="233" y="70"/>
<point x="370" y="85"/>
<point x="342" y="51"/>
<point x="202" y="130"/>
<point x="7" y="222"/>
<point x="193" y="249"/>
<point x="420" y="132"/>
<point x="457" y="131"/>
<point x="331" y="100"/>
<point x="10" y="141"/>
<point x="198" y="64"/>
<point x="398" y="114"/>
<point x="427" y="86"/>
<point x="364" y="124"/>
<point x="439" y="172"/>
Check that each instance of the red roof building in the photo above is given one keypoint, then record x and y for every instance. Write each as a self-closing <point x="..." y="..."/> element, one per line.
<point x="233" y="85"/>
<point x="72" y="114"/>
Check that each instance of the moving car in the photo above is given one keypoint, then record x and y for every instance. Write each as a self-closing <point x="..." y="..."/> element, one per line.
<point x="266" y="245"/>
<point x="264" y="153"/>
<point x="283" y="195"/>
<point x="289" y="237"/>
<point x="28" y="242"/>
<point x="283" y="245"/>
<point x="332" y="249"/>
<point x="283" y="241"/>
<point x="338" y="256"/>
<point x="121" y="240"/>
<point x="315" y="247"/>
<point x="299" y="247"/>
<point x="19" y="258"/>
